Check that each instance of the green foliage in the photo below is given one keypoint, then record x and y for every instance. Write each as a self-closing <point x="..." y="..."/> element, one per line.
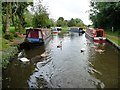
<point x="5" y="43"/>
<point x="12" y="29"/>
<point x="7" y="54"/>
<point x="69" y="23"/>
<point x="75" y="22"/>
<point x="61" y="23"/>
<point x="0" y="30"/>
<point x="52" y="22"/>
<point x="41" y="20"/>
<point x="116" y="33"/>
<point x="15" y="11"/>
<point x="9" y="37"/>
<point x="28" y="19"/>
<point x="114" y="40"/>
<point x="105" y="14"/>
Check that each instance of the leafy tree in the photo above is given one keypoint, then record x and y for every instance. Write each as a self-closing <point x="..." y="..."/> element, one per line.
<point x="28" y="18"/>
<point x="41" y="17"/>
<point x="13" y="13"/>
<point x="61" y="22"/>
<point x="105" y="14"/>
<point x="61" y="18"/>
<point x="41" y="20"/>
<point x="52" y="22"/>
<point x="71" y="23"/>
<point x="75" y="22"/>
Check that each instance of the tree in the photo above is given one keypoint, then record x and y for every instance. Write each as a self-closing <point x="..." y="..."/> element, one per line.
<point x="28" y="19"/>
<point x="13" y="12"/>
<point x="105" y="14"/>
<point x="41" y="17"/>
<point x="61" y="22"/>
<point x="71" y="23"/>
<point x="75" y="22"/>
<point x="41" y="20"/>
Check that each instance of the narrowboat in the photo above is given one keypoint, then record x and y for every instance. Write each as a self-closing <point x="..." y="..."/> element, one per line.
<point x="36" y="36"/>
<point x="96" y="35"/>
<point x="77" y="29"/>
<point x="56" y="30"/>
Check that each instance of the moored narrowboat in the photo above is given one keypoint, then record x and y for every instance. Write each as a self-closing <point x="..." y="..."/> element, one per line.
<point x="36" y="36"/>
<point x="56" y="30"/>
<point x="97" y="35"/>
<point x="77" y="29"/>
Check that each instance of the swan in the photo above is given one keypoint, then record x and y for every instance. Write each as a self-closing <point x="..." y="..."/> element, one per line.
<point x="45" y="54"/>
<point x="59" y="46"/>
<point x="24" y="59"/>
<point x="99" y="50"/>
<point x="82" y="49"/>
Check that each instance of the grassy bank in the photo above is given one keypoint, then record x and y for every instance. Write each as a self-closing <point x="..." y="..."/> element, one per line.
<point x="117" y="34"/>
<point x="113" y="36"/>
<point x="114" y="40"/>
<point x="64" y="29"/>
<point x="7" y="50"/>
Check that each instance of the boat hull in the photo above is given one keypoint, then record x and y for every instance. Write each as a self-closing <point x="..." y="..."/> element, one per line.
<point x="95" y="39"/>
<point x="55" y="32"/>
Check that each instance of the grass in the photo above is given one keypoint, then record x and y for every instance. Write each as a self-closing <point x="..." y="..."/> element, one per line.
<point x="117" y="34"/>
<point x="4" y="44"/>
<point x="0" y="37"/>
<point x="12" y="29"/>
<point x="0" y="30"/>
<point x="65" y="28"/>
<point x="114" y="40"/>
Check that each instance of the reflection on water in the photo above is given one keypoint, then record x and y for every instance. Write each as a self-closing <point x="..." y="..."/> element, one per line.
<point x="66" y="66"/>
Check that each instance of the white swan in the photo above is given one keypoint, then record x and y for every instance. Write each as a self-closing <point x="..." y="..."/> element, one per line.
<point x="45" y="54"/>
<point x="99" y="50"/>
<point x="82" y="49"/>
<point x="24" y="59"/>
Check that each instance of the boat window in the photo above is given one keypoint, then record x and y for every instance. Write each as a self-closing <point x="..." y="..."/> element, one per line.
<point x="34" y="34"/>
<point x="99" y="33"/>
<point x="59" y="29"/>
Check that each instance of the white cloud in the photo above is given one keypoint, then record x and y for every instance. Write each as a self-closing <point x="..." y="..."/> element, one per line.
<point x="68" y="9"/>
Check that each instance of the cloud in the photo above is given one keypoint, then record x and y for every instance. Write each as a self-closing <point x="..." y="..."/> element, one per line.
<point x="68" y="9"/>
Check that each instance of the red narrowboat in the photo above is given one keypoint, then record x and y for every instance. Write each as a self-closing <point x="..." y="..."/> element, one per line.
<point x="97" y="35"/>
<point x="37" y="35"/>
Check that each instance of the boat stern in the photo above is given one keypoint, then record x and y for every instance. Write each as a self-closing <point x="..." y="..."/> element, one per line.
<point x="99" y="39"/>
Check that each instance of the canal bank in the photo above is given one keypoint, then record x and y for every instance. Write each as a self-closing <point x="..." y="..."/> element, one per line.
<point x="9" y="50"/>
<point x="115" y="41"/>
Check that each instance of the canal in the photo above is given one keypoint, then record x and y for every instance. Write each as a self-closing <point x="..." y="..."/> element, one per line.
<point x="69" y="61"/>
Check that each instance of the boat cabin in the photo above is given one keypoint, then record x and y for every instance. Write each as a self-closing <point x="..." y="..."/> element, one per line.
<point x="77" y="29"/>
<point x="56" y="30"/>
<point x="98" y="35"/>
<point x="37" y="35"/>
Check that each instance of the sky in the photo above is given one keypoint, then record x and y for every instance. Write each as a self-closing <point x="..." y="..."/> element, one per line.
<point x="68" y="9"/>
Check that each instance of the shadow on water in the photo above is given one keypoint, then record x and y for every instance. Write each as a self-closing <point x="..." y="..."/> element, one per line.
<point x="17" y="74"/>
<point x="61" y="64"/>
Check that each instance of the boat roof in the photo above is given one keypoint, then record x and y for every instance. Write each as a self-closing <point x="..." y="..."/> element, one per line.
<point x="33" y="29"/>
<point x="96" y="29"/>
<point x="36" y="29"/>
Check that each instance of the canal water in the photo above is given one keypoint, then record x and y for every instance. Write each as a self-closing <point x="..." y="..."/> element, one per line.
<point x="67" y="61"/>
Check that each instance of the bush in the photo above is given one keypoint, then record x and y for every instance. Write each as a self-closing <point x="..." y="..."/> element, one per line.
<point x="7" y="54"/>
<point x="9" y="37"/>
